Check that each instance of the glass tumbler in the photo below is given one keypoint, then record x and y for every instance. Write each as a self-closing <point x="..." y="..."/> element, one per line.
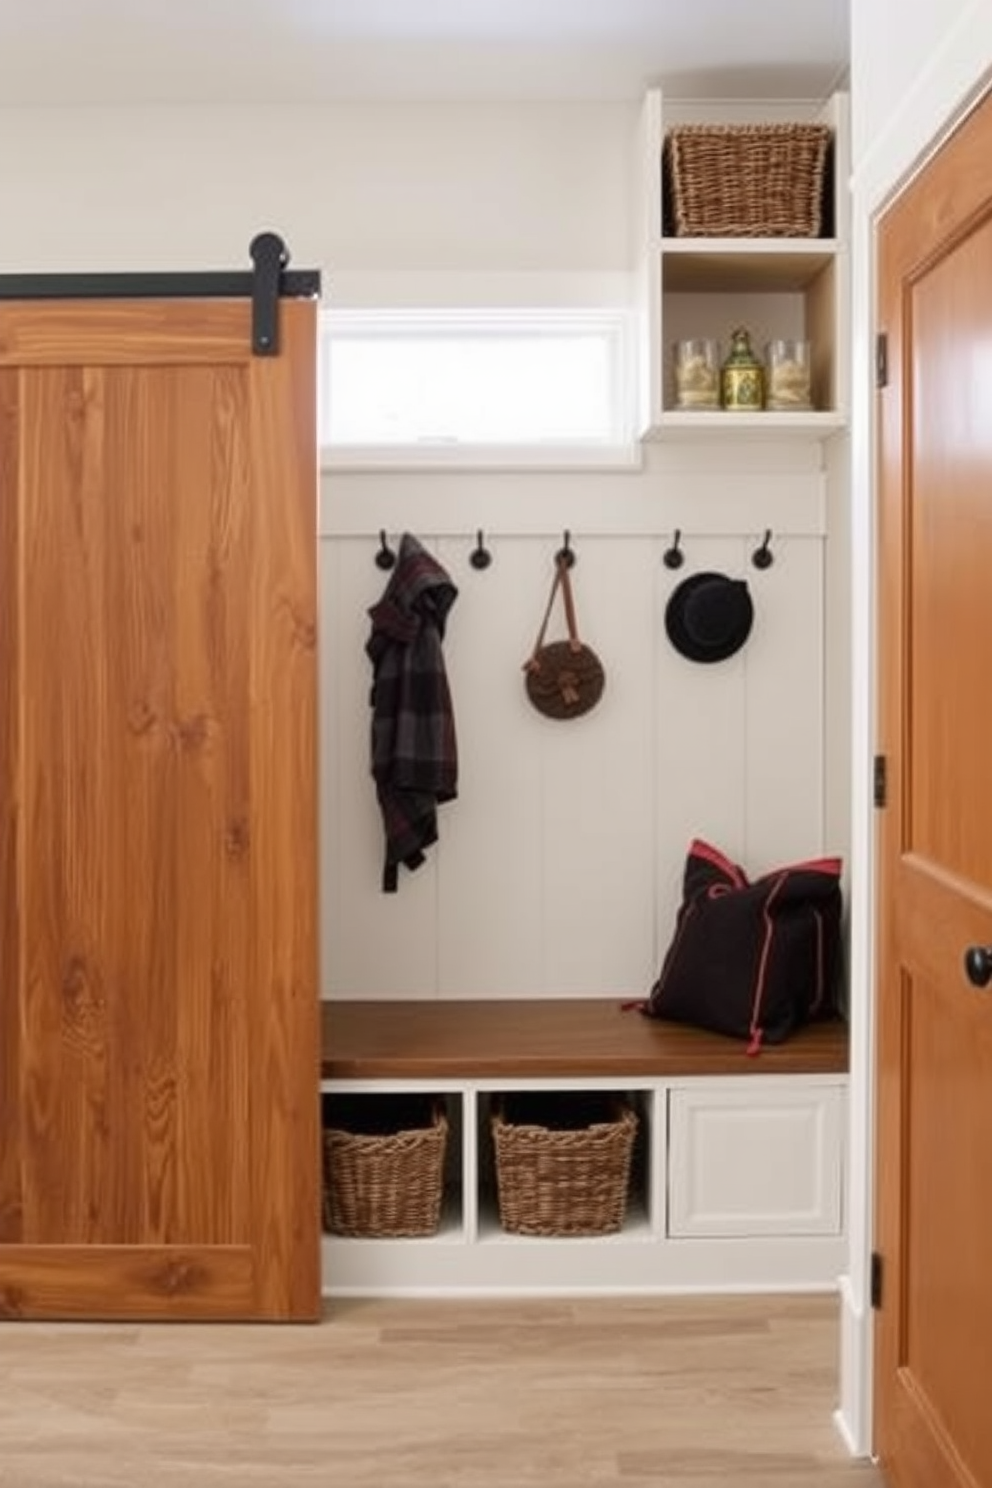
<point x="697" y="374"/>
<point x="788" y="373"/>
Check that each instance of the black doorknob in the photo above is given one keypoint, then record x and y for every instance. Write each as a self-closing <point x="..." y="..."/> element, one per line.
<point x="978" y="965"/>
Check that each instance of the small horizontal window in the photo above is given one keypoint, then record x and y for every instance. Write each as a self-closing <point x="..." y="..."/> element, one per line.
<point x="444" y="382"/>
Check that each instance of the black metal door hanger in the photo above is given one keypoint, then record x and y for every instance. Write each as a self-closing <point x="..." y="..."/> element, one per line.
<point x="265" y="284"/>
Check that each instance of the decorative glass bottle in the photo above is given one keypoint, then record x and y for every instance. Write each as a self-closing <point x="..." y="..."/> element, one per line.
<point x="742" y="377"/>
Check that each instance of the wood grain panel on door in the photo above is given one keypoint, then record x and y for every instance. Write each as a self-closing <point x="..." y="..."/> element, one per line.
<point x="934" y="1142"/>
<point x="158" y="1001"/>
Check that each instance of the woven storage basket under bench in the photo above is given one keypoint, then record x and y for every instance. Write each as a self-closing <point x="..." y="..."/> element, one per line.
<point x="384" y="1165"/>
<point x="746" y="180"/>
<point x="562" y="1162"/>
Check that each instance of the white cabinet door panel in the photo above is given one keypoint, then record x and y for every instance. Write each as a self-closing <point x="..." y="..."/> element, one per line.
<point x="755" y="1160"/>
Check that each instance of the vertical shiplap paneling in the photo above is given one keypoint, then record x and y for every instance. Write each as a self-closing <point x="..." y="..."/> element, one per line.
<point x="598" y="783"/>
<point x="490" y="863"/>
<point x="375" y="945"/>
<point x="701" y="710"/>
<point x="558" y="870"/>
<point x="783" y="732"/>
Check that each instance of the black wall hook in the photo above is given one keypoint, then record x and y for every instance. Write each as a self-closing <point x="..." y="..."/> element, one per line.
<point x="674" y="556"/>
<point x="763" y="557"/>
<point x="565" y="554"/>
<point x="385" y="558"/>
<point x="481" y="556"/>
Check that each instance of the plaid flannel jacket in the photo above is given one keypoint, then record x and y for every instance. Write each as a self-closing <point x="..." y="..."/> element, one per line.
<point x="414" y="753"/>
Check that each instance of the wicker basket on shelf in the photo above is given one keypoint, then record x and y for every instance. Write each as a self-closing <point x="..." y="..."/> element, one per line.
<point x="562" y="1163"/>
<point x="745" y="180"/>
<point x="384" y="1166"/>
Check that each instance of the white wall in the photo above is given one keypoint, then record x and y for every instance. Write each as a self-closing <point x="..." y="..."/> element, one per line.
<point x="915" y="68"/>
<point x="892" y="48"/>
<point x="909" y="64"/>
<point x="351" y="187"/>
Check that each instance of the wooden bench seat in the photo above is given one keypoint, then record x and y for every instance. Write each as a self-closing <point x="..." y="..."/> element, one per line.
<point x="571" y="1038"/>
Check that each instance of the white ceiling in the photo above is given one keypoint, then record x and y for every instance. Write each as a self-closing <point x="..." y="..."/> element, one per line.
<point x="226" y="51"/>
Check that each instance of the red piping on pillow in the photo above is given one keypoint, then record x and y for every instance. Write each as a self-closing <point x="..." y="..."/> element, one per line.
<point x="705" y="850"/>
<point x="759" y="990"/>
<point x="817" y="1002"/>
<point x="833" y="866"/>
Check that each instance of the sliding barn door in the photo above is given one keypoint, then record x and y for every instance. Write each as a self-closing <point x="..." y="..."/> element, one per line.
<point x="158" y="1005"/>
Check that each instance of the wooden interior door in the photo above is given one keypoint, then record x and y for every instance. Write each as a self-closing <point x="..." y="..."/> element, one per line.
<point x="159" y="1060"/>
<point x="933" y="1369"/>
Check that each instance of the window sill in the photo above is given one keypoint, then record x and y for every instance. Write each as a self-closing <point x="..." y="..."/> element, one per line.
<point x="496" y="458"/>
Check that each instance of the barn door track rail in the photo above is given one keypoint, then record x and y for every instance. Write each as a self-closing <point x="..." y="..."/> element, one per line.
<point x="269" y="280"/>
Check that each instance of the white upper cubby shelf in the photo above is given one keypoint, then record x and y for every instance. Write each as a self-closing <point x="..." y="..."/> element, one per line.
<point x="782" y="287"/>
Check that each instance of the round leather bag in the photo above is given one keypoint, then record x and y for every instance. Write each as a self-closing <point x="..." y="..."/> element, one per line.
<point x="564" y="679"/>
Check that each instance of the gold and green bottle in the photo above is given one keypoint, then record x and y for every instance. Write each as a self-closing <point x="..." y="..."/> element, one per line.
<point x="742" y="377"/>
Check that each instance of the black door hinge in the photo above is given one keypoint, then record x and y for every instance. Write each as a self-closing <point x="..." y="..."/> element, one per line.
<point x="880" y="777"/>
<point x="881" y="360"/>
<point x="876" y="1279"/>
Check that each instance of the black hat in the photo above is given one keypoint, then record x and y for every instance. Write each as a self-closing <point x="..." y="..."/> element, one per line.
<point x="709" y="616"/>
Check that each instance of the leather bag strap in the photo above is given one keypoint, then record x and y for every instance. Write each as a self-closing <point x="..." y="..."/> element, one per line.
<point x="563" y="582"/>
<point x="566" y="590"/>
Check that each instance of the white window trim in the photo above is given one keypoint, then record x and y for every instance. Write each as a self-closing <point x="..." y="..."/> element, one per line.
<point x="620" y="453"/>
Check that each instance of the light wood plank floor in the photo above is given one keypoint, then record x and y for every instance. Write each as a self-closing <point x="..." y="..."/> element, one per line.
<point x="591" y="1393"/>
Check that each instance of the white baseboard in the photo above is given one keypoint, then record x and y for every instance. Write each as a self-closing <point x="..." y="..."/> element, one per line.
<point x="842" y="1431"/>
<point x="853" y="1416"/>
